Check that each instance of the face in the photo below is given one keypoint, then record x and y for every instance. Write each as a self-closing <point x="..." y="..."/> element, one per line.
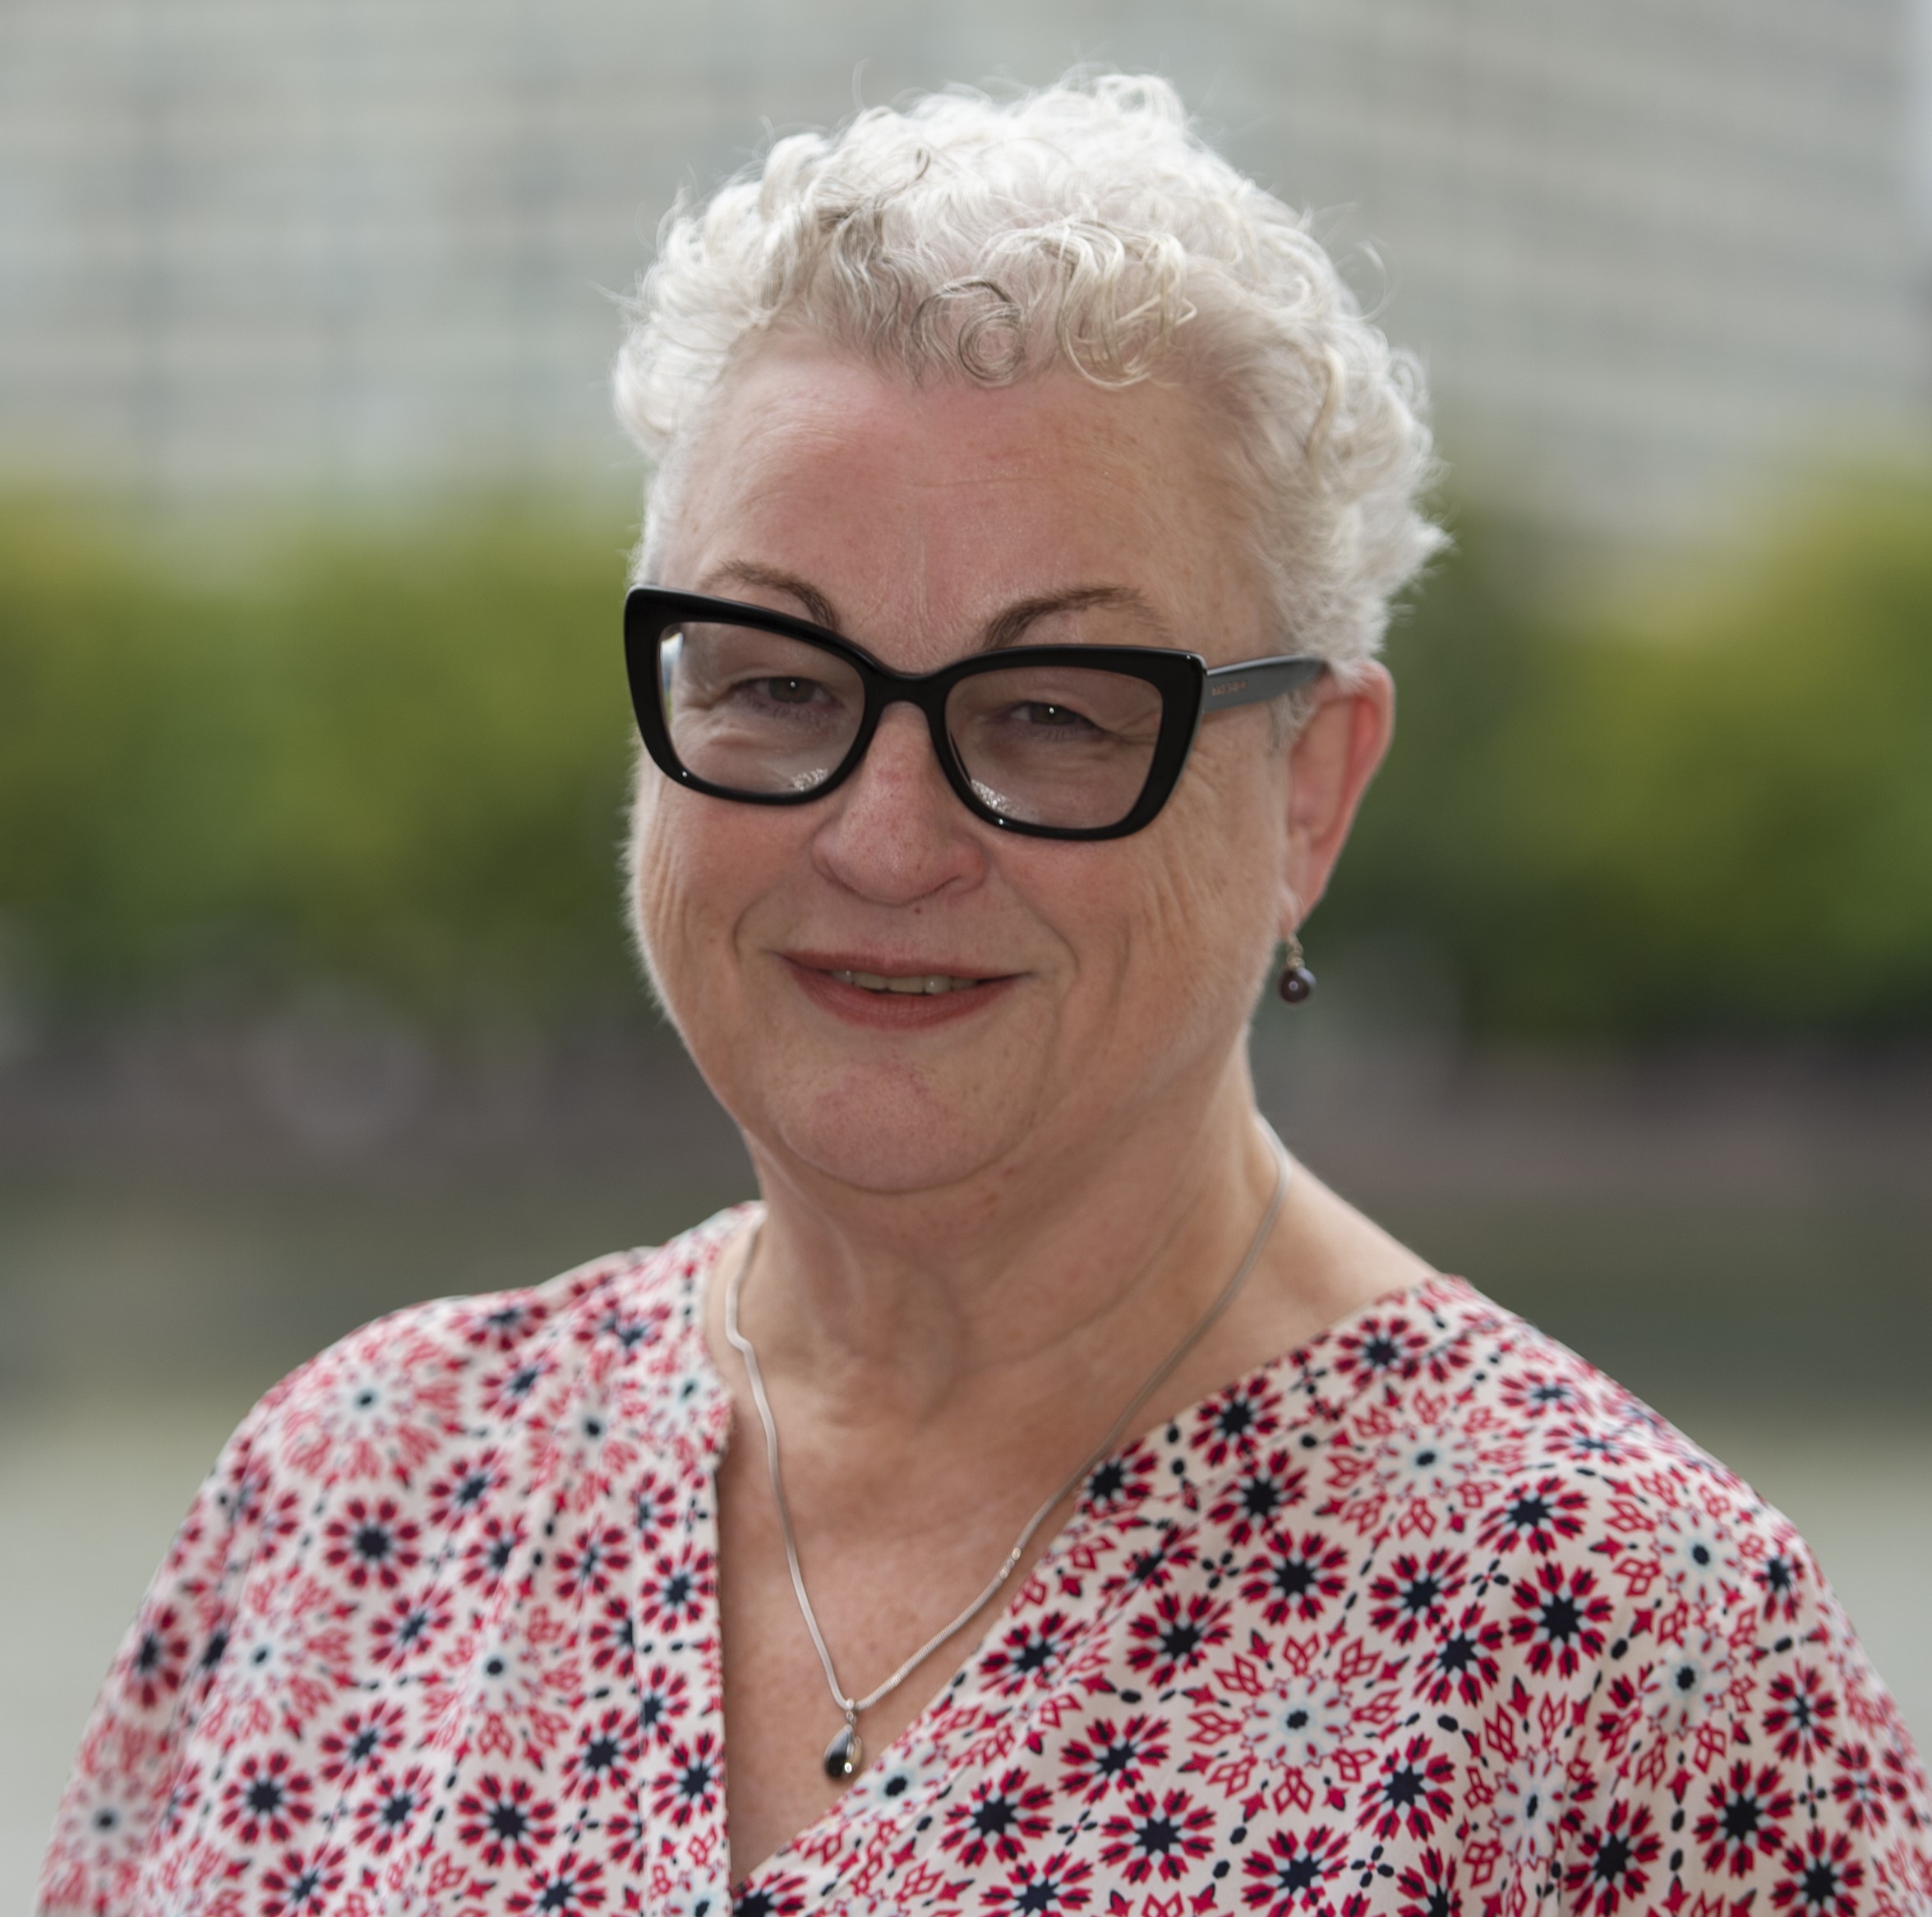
<point x="1090" y="985"/>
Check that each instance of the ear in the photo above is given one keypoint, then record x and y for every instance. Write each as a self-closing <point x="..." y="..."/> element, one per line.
<point x="1330" y="765"/>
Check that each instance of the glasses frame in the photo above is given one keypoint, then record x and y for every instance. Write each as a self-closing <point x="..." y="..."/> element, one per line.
<point x="1190" y="689"/>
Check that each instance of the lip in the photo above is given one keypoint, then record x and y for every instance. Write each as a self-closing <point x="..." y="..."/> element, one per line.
<point x="891" y="1011"/>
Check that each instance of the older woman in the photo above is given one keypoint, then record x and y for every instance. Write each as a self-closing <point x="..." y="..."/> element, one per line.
<point x="1047" y="1499"/>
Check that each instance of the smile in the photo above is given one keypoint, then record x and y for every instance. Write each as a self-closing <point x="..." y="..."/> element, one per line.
<point x="897" y="1000"/>
<point x="927" y="984"/>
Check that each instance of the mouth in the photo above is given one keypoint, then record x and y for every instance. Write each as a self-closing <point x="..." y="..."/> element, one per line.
<point x="904" y="998"/>
<point x="912" y="984"/>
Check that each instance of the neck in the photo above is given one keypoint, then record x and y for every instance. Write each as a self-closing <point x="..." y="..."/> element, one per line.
<point x="900" y="1310"/>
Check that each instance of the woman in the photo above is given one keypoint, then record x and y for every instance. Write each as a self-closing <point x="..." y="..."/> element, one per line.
<point x="1049" y="1498"/>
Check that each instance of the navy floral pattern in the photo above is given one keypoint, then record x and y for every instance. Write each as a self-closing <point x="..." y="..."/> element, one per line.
<point x="1425" y="1618"/>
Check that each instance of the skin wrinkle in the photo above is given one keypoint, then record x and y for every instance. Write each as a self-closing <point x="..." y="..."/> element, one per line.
<point x="981" y="1234"/>
<point x="1218" y="740"/>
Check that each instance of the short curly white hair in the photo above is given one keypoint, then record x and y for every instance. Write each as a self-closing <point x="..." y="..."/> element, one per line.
<point x="1082" y="225"/>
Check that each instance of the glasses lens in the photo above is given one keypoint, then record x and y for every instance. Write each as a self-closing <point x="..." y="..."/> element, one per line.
<point x="753" y="711"/>
<point x="1056" y="745"/>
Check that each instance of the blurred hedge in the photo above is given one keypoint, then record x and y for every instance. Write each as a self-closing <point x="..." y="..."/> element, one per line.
<point x="396" y="756"/>
<point x="1715" y="823"/>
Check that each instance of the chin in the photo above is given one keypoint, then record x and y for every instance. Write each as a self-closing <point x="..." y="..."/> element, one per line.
<point x="893" y="1138"/>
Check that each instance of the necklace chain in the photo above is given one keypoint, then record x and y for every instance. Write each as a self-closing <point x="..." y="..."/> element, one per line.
<point x="845" y="1755"/>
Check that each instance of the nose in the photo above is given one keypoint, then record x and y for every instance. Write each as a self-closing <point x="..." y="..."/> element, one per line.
<point x="897" y="832"/>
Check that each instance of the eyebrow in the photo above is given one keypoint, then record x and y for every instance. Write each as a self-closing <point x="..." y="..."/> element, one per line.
<point x="1008" y="627"/>
<point x="741" y="572"/>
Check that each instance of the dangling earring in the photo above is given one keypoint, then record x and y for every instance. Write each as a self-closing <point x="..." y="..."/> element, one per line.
<point x="1298" y="982"/>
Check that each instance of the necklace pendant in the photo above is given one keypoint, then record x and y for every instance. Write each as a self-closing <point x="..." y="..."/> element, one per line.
<point x="844" y="1754"/>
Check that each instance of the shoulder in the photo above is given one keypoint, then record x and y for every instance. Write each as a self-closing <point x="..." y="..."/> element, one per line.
<point x="382" y="1402"/>
<point x="1682" y="1623"/>
<point x="422" y="1442"/>
<point x="1499" y="1435"/>
<point x="1607" y="1548"/>
<point x="1508" y="1580"/>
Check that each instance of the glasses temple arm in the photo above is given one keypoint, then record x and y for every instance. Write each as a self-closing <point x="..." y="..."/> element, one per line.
<point x="1256" y="680"/>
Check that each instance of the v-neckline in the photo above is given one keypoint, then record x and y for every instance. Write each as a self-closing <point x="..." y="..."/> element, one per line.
<point x="1167" y="1434"/>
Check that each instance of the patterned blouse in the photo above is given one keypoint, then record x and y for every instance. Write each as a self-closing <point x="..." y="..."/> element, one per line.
<point x="1425" y="1618"/>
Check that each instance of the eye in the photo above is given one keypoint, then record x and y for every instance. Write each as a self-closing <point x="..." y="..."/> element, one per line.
<point x="787" y="692"/>
<point x="1057" y="718"/>
<point x="770" y="693"/>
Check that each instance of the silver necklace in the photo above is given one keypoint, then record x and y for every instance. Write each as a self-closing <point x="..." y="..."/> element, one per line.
<point x="846" y="1753"/>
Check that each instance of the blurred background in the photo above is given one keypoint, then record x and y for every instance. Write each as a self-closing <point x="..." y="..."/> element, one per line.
<point x="314" y="997"/>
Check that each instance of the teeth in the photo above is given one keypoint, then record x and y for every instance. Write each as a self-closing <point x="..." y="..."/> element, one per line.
<point x="929" y="985"/>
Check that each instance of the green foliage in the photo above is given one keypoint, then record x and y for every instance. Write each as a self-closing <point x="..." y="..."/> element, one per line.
<point x="392" y="757"/>
<point x="395" y="758"/>
<point x="1720" y="827"/>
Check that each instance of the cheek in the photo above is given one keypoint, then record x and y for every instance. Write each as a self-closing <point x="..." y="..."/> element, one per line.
<point x="1209" y="922"/>
<point x="650" y="865"/>
<point x="651" y="893"/>
<point x="682" y="848"/>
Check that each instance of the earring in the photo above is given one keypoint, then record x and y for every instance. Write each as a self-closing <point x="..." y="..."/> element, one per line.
<point x="1298" y="982"/>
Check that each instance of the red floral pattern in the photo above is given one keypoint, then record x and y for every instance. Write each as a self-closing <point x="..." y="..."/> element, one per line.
<point x="1425" y="1618"/>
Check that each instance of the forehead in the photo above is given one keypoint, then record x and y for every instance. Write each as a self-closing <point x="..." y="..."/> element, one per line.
<point x="922" y="511"/>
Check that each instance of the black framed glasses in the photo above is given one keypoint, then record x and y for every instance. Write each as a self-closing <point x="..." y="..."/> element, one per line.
<point x="1059" y="742"/>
